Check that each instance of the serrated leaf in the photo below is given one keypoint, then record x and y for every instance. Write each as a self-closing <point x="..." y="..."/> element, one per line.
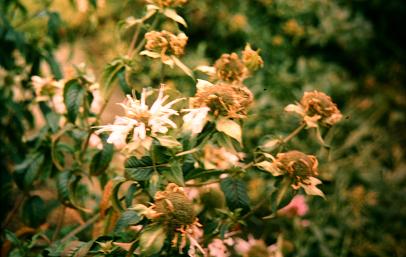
<point x="73" y="96"/>
<point x="127" y="218"/>
<point x="172" y="14"/>
<point x="230" y="128"/>
<point x="115" y="200"/>
<point x="109" y="75"/>
<point x="102" y="159"/>
<point x="235" y="192"/>
<point x="174" y="173"/>
<point x="34" y="211"/>
<point x="139" y="169"/>
<point x="152" y="240"/>
<point x="29" y="170"/>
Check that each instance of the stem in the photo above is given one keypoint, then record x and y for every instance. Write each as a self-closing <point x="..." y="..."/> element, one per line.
<point x="134" y="39"/>
<point x="13" y="211"/>
<point x="81" y="228"/>
<point x="293" y="134"/>
<point x="60" y="223"/>
<point x="141" y="43"/>
<point x="203" y="183"/>
<point x="132" y="249"/>
<point x="257" y="206"/>
<point x="162" y="73"/>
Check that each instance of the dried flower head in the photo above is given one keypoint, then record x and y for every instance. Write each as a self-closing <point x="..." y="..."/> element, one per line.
<point x="165" y="43"/>
<point x="167" y="3"/>
<point x="133" y="132"/>
<point x="300" y="167"/>
<point x="251" y="59"/>
<point x="230" y="68"/>
<point x="316" y="107"/>
<point x="174" y="208"/>
<point x="223" y="99"/>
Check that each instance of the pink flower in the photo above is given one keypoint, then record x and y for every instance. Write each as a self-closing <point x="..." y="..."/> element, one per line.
<point x="296" y="207"/>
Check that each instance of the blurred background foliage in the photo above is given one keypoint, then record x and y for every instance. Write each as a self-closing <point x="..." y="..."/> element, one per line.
<point x="353" y="50"/>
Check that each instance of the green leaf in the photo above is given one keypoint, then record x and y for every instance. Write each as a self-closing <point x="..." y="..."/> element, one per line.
<point x="102" y="159"/>
<point x="123" y="83"/>
<point x="34" y="211"/>
<point x="235" y="192"/>
<point x="73" y="96"/>
<point x="62" y="185"/>
<point x="115" y="200"/>
<point x="152" y="240"/>
<point x="174" y="173"/>
<point x="53" y="121"/>
<point x="139" y="169"/>
<point x="126" y="219"/>
<point x="110" y="73"/>
<point x="28" y="171"/>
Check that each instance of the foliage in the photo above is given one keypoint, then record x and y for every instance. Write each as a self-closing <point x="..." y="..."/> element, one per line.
<point x="202" y="157"/>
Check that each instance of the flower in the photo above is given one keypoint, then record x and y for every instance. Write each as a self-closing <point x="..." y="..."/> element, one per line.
<point x="220" y="158"/>
<point x="217" y="248"/>
<point x="194" y="121"/>
<point x="256" y="248"/>
<point x="223" y="99"/>
<point x="133" y="132"/>
<point x="164" y="43"/>
<point x="49" y="89"/>
<point x="296" y="207"/>
<point x="175" y="211"/>
<point x="316" y="107"/>
<point x="299" y="167"/>
<point x="292" y="28"/>
<point x="230" y="68"/>
<point x="251" y="59"/>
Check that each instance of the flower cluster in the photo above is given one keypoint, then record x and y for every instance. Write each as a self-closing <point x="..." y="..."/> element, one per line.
<point x="162" y="44"/>
<point x="316" y="108"/>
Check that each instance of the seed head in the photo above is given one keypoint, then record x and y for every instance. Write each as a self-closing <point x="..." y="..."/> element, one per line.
<point x="228" y="100"/>
<point x="318" y="103"/>
<point x="174" y="207"/>
<point x="230" y="68"/>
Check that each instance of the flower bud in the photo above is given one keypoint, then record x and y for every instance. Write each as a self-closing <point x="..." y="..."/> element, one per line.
<point x="251" y="59"/>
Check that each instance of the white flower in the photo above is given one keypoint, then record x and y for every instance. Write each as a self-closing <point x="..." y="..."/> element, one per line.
<point x="141" y="122"/>
<point x="195" y="120"/>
